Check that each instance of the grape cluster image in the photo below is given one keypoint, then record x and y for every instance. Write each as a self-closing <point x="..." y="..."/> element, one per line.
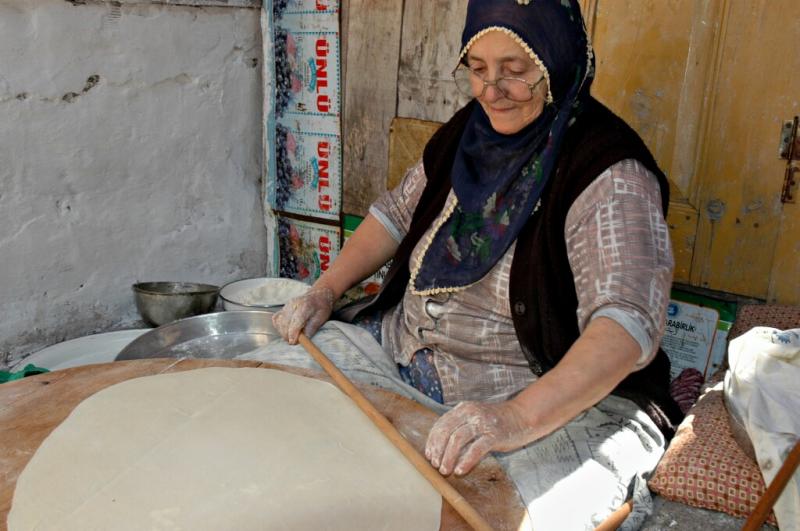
<point x="283" y="71"/>
<point x="283" y="179"/>
<point x="278" y="7"/>
<point x="288" y="261"/>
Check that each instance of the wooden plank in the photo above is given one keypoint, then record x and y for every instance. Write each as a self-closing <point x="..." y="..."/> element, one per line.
<point x="431" y="43"/>
<point x="26" y="425"/>
<point x="693" y="113"/>
<point x="652" y="62"/>
<point x="784" y="286"/>
<point x="407" y="139"/>
<point x="682" y="222"/>
<point x="742" y="175"/>
<point x="14" y="392"/>
<point x="373" y="47"/>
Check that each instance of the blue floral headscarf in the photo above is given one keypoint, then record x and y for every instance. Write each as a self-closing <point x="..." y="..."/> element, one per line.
<point x="498" y="179"/>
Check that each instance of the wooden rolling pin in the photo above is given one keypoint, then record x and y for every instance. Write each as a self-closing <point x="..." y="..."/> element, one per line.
<point x="453" y="497"/>
<point x="773" y="492"/>
<point x="616" y="518"/>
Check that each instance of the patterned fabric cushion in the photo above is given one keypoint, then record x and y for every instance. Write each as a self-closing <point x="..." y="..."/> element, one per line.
<point x="772" y="315"/>
<point x="704" y="466"/>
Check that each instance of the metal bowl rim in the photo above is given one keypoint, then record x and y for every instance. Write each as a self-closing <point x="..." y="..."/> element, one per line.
<point x="259" y="315"/>
<point x="230" y="314"/>
<point x="202" y="289"/>
<point x="262" y="306"/>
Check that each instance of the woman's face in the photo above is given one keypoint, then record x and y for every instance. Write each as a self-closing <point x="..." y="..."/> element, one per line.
<point x="496" y="55"/>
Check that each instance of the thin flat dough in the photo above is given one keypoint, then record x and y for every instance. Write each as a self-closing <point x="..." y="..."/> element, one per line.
<point x="221" y="448"/>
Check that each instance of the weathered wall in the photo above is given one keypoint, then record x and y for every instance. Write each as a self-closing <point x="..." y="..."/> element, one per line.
<point x="130" y="149"/>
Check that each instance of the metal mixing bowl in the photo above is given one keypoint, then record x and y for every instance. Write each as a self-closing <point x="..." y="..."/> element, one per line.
<point x="163" y="302"/>
<point x="262" y="293"/>
<point x="222" y="335"/>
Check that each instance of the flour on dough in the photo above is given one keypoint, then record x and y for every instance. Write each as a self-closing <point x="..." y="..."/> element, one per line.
<point x="220" y="448"/>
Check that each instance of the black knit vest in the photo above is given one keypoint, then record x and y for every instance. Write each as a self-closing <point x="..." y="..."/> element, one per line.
<point x="542" y="289"/>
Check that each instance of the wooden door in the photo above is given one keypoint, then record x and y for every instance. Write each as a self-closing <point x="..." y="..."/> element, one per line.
<point x="748" y="242"/>
<point x="653" y="63"/>
<point x="707" y="83"/>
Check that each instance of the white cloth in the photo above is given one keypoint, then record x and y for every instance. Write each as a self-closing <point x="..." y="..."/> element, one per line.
<point x="762" y="392"/>
<point x="572" y="479"/>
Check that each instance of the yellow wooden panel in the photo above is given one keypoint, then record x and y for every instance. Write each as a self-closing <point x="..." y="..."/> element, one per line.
<point x="407" y="139"/>
<point x="741" y="175"/>
<point x="785" y="277"/>
<point x="641" y="51"/>
<point x="654" y="62"/>
<point x="682" y="222"/>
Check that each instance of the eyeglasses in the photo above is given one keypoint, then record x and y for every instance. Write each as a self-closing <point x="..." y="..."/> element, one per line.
<point x="513" y="88"/>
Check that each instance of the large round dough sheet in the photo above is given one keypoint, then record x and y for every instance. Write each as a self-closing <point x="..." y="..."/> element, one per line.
<point x="220" y="448"/>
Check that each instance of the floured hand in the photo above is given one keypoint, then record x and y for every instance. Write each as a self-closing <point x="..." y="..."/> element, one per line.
<point x="305" y="313"/>
<point x="464" y="435"/>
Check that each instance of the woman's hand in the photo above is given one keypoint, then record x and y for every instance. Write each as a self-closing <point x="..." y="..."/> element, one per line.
<point x="307" y="313"/>
<point x="464" y="435"/>
<point x="365" y="252"/>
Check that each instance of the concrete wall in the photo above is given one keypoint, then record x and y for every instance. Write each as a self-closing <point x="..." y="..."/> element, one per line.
<point x="130" y="150"/>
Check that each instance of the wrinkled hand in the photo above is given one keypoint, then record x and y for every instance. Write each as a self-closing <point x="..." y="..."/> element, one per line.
<point x="307" y="313"/>
<point x="462" y="436"/>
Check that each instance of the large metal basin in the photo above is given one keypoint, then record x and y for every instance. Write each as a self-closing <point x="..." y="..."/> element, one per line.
<point x="222" y="335"/>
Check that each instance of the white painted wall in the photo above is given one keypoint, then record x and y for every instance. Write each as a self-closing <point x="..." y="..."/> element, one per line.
<point x="130" y="150"/>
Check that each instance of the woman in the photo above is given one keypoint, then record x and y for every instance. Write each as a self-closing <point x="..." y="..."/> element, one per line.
<point x="532" y="206"/>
